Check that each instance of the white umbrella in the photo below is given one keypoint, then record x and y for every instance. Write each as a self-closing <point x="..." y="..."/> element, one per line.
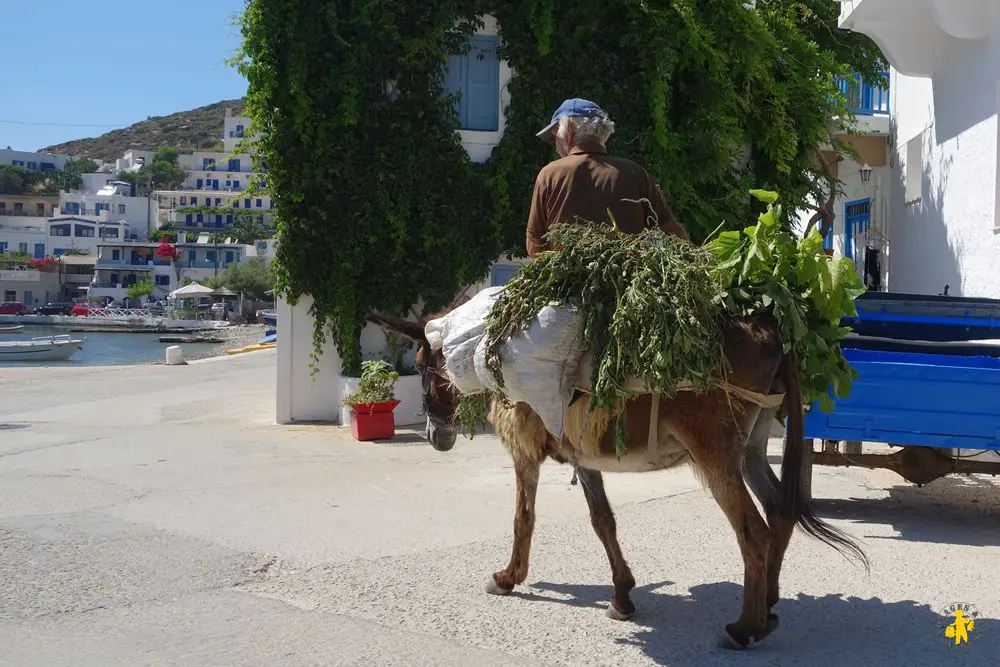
<point x="191" y="291"/>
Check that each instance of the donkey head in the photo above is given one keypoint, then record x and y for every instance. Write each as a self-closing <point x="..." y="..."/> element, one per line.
<point x="440" y="399"/>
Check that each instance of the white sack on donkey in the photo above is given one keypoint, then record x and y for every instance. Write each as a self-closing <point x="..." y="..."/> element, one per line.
<point x="539" y="365"/>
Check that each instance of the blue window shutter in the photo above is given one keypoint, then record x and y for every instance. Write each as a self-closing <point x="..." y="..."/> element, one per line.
<point x="482" y="85"/>
<point x="199" y="183"/>
<point x="200" y="218"/>
<point x="187" y="218"/>
<point x="454" y="82"/>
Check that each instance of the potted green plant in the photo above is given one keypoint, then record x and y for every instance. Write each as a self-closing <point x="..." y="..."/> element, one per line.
<point x="374" y="401"/>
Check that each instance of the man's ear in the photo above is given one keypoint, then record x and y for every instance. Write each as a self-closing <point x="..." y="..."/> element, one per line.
<point x="408" y="328"/>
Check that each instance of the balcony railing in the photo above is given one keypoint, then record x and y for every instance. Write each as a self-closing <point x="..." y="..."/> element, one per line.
<point x="77" y="278"/>
<point x="204" y="264"/>
<point x="21" y="276"/>
<point x="863" y="98"/>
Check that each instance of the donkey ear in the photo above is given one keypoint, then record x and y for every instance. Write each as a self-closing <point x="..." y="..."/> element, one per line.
<point x="412" y="330"/>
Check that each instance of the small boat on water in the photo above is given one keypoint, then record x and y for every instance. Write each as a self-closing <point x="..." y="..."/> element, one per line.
<point x="16" y="327"/>
<point x="41" y="348"/>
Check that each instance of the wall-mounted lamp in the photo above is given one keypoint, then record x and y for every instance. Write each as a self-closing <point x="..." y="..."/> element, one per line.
<point x="866" y="173"/>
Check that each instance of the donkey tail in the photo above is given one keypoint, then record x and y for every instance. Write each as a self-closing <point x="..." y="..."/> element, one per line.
<point x="794" y="502"/>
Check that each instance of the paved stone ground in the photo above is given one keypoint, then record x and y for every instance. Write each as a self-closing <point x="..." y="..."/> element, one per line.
<point x="154" y="515"/>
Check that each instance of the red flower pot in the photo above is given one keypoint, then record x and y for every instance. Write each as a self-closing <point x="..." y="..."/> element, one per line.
<point x="373" y="421"/>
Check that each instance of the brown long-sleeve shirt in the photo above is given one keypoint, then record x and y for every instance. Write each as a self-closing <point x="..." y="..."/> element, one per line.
<point x="587" y="183"/>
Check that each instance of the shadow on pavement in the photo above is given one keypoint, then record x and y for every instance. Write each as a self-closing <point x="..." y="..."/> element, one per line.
<point x="959" y="510"/>
<point x="682" y="631"/>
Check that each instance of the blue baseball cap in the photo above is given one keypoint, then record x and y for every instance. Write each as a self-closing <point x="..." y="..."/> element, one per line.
<point x="571" y="107"/>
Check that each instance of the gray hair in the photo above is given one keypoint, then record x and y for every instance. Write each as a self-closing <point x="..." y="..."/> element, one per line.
<point x="600" y="128"/>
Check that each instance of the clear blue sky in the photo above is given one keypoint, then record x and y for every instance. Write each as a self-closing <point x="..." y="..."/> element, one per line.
<point x="100" y="66"/>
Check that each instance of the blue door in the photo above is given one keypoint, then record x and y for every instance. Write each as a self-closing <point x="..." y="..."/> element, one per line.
<point x="200" y="183"/>
<point x="215" y="184"/>
<point x="857" y="217"/>
<point x="39" y="251"/>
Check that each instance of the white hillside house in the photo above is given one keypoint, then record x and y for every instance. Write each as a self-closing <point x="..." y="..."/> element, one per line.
<point x="942" y="191"/>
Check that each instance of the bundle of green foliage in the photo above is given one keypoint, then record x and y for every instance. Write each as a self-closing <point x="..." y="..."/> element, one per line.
<point x="766" y="268"/>
<point x="652" y="305"/>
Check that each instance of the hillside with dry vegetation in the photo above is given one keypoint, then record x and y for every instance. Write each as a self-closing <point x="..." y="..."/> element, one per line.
<point x="197" y="129"/>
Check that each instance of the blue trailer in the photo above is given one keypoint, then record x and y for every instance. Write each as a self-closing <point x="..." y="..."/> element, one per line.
<point x="928" y="383"/>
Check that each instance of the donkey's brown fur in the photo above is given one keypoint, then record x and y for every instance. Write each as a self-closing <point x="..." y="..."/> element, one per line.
<point x="708" y="431"/>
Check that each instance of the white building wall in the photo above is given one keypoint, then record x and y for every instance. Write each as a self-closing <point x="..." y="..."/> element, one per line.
<point x="133" y="160"/>
<point x="230" y="134"/>
<point x="944" y="177"/>
<point x="94" y="182"/>
<point x="138" y="212"/>
<point x="15" y="230"/>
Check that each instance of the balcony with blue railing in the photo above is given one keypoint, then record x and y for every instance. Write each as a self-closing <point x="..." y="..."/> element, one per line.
<point x="865" y="98"/>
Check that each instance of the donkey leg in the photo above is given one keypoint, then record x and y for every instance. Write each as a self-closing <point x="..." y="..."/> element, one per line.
<point x="764" y="485"/>
<point x="526" y="474"/>
<point x="603" y="521"/>
<point x="730" y="492"/>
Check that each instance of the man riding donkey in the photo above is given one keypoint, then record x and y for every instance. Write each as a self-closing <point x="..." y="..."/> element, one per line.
<point x="587" y="183"/>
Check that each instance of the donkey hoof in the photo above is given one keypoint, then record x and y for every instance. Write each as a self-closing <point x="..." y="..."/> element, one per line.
<point x="620" y="613"/>
<point x="494" y="588"/>
<point x="737" y="640"/>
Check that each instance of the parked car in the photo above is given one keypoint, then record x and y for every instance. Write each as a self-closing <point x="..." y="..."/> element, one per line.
<point x="54" y="308"/>
<point x="13" y="308"/>
<point x="81" y="309"/>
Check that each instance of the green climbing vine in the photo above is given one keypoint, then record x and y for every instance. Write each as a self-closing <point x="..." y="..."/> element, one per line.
<point x="378" y="206"/>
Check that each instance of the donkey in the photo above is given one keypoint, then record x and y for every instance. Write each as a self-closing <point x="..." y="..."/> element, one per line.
<point x="707" y="430"/>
